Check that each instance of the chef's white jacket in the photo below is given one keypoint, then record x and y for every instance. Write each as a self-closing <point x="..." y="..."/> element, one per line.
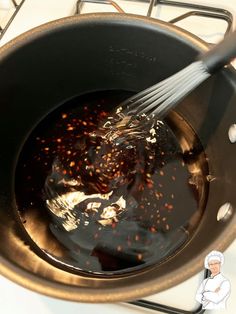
<point x="208" y="295"/>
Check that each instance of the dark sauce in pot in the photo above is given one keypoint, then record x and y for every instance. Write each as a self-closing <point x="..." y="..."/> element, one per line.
<point x="102" y="206"/>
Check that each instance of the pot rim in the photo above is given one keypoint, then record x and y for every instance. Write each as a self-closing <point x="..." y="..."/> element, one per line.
<point x="91" y="295"/>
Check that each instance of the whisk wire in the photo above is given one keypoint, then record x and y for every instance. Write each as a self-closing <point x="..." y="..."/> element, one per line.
<point x="169" y="103"/>
<point x="163" y="94"/>
<point x="159" y="98"/>
<point x="145" y="94"/>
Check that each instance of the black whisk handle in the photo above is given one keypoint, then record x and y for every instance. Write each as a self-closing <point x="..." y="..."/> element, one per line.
<point x="221" y="54"/>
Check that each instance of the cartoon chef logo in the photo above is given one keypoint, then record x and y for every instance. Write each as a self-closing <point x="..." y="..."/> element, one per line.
<point x="214" y="290"/>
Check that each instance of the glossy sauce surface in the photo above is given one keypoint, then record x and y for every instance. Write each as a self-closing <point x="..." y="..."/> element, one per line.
<point x="96" y="204"/>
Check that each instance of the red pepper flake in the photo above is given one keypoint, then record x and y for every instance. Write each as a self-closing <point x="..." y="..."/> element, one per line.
<point x="103" y="114"/>
<point x="64" y="116"/>
<point x="140" y="187"/>
<point x="70" y="128"/>
<point x="137" y="237"/>
<point x="139" y="257"/>
<point x="150" y="185"/>
<point x="64" y="171"/>
<point x="157" y="195"/>
<point x="153" y="229"/>
<point x="119" y="248"/>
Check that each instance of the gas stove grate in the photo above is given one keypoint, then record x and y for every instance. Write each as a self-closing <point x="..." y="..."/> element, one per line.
<point x="199" y="10"/>
<point x="195" y="10"/>
<point x="112" y="3"/>
<point x="16" y="6"/>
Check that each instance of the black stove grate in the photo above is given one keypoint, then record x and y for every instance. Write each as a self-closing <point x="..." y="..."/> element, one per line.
<point x="195" y="10"/>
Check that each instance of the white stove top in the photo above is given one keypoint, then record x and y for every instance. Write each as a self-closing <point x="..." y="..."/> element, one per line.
<point x="15" y="299"/>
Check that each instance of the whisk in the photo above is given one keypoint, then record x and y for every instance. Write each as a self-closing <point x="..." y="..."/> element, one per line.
<point x="157" y="100"/>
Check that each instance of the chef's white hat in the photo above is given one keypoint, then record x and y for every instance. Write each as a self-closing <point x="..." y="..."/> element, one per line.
<point x="214" y="256"/>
